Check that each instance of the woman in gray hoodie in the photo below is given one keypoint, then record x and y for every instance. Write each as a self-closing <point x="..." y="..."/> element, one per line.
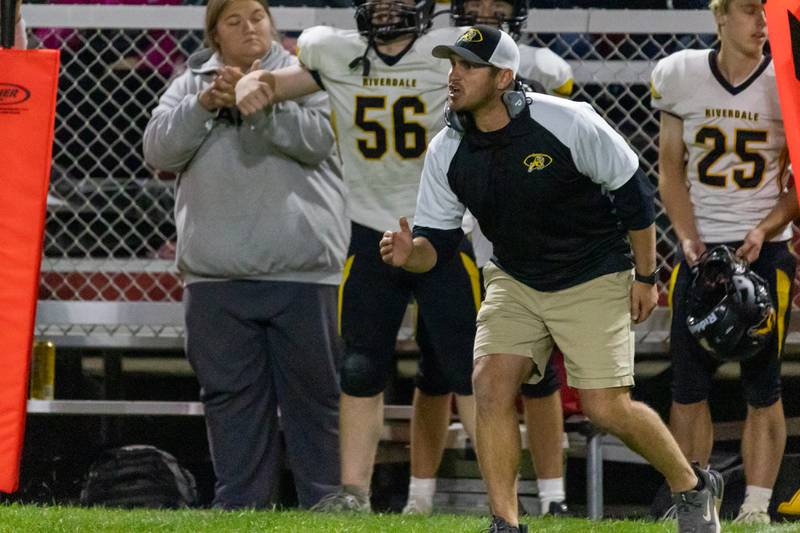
<point x="262" y="238"/>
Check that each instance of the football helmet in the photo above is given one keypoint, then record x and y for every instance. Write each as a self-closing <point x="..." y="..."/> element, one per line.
<point x="384" y="20"/>
<point x="513" y="25"/>
<point x="729" y="311"/>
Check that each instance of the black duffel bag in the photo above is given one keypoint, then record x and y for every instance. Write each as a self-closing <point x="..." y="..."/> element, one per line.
<point x="139" y="476"/>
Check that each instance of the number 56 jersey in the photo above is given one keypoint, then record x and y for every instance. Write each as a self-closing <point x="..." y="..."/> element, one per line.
<point x="734" y="136"/>
<point x="383" y="121"/>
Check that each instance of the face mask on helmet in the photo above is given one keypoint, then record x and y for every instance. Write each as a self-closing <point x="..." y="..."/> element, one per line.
<point x="462" y="13"/>
<point x="384" y="20"/>
<point x="730" y="311"/>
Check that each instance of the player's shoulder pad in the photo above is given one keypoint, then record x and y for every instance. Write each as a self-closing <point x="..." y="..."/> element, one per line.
<point x="546" y="67"/>
<point x="676" y="75"/>
<point x="323" y="44"/>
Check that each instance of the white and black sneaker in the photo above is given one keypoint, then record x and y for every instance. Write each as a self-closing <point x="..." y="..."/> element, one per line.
<point x="698" y="509"/>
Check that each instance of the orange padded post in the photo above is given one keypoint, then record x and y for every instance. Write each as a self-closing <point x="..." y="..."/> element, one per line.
<point x="783" y="21"/>
<point x="28" y="84"/>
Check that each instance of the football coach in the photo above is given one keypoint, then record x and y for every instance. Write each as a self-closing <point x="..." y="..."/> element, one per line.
<point x="560" y="195"/>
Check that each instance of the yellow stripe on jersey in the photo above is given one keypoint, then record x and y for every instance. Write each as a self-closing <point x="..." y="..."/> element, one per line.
<point x="653" y="92"/>
<point x="565" y="89"/>
<point x="474" y="278"/>
<point x="783" y="285"/>
<point x="672" y="279"/>
<point x="345" y="274"/>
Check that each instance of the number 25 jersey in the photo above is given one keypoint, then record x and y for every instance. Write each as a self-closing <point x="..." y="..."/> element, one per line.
<point x="734" y="136"/>
<point x="383" y="121"/>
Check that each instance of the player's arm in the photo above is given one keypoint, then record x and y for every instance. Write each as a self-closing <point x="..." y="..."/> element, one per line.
<point x="20" y="38"/>
<point x="673" y="188"/>
<point x="261" y="88"/>
<point x="785" y="211"/>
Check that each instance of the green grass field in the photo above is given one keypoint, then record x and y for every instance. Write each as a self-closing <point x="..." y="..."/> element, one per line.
<point x="33" y="519"/>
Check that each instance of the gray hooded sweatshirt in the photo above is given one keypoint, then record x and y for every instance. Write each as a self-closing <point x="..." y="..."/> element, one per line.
<point x="260" y="198"/>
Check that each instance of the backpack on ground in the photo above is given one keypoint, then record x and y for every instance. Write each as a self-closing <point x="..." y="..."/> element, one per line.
<point x="139" y="476"/>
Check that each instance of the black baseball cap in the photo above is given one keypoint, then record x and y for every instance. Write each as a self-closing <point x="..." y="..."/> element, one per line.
<point x="483" y="45"/>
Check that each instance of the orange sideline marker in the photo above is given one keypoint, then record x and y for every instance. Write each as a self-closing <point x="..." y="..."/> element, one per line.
<point x="28" y="85"/>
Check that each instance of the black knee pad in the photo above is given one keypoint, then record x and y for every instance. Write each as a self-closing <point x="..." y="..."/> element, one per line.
<point x="363" y="376"/>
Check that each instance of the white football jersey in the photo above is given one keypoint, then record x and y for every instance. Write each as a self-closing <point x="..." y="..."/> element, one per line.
<point x="383" y="121"/>
<point x="546" y="67"/>
<point x="734" y="138"/>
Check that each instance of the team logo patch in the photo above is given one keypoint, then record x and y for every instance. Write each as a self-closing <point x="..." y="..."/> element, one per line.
<point x="537" y="162"/>
<point x="472" y="35"/>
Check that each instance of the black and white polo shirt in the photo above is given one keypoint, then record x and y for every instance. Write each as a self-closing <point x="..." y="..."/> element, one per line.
<point x="555" y="191"/>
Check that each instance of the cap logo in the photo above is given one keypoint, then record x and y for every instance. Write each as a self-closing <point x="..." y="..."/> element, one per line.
<point x="537" y="162"/>
<point x="472" y="35"/>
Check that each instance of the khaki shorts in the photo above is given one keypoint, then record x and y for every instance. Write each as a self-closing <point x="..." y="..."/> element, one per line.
<point x="590" y="323"/>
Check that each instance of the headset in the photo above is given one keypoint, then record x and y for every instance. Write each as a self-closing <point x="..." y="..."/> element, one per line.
<point x="515" y="100"/>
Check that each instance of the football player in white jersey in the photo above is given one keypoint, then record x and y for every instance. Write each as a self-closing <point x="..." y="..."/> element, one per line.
<point x="387" y="93"/>
<point x="544" y="70"/>
<point x="722" y="179"/>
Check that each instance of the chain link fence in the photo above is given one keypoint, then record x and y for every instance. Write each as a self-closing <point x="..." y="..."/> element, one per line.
<point x="110" y="232"/>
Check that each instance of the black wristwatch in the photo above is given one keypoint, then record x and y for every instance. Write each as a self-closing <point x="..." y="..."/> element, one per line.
<point x="650" y="280"/>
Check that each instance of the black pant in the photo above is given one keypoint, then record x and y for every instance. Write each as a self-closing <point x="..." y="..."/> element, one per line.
<point x="256" y="346"/>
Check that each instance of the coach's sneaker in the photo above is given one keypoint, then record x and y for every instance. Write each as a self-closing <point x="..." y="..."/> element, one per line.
<point x="501" y="526"/>
<point x="670" y="514"/>
<point x="347" y="499"/>
<point x="698" y="510"/>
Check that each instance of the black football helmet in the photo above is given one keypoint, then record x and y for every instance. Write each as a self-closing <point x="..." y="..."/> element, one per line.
<point x="384" y="20"/>
<point x="514" y="25"/>
<point x="729" y="311"/>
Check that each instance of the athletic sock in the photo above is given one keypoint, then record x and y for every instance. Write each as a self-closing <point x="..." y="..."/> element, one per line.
<point x="756" y="498"/>
<point x="421" y="492"/>
<point x="550" y="490"/>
